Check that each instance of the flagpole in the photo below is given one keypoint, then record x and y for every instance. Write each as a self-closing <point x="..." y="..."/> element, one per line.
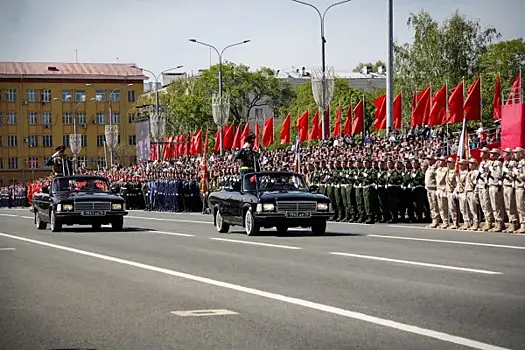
<point x="364" y="125"/>
<point x="480" y="100"/>
<point x="446" y="112"/>
<point x="520" y="87"/>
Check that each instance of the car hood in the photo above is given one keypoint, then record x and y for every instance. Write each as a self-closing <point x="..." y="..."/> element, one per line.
<point x="89" y="197"/>
<point x="291" y="196"/>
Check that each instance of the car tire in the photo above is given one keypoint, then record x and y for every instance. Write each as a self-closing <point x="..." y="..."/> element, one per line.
<point x="96" y="227"/>
<point x="56" y="225"/>
<point x="251" y="227"/>
<point x="319" y="228"/>
<point x="41" y="225"/>
<point x="117" y="224"/>
<point x="220" y="225"/>
<point x="281" y="230"/>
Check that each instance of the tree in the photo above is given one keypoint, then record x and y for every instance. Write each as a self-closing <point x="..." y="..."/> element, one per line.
<point x="375" y="66"/>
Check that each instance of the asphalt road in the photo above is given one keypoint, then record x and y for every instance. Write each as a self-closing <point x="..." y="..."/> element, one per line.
<point x="358" y="287"/>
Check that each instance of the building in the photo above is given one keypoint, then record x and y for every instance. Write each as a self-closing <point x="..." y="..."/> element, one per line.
<point x="41" y="102"/>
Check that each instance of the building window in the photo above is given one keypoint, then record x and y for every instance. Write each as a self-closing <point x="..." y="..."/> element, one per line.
<point x="131" y="118"/>
<point x="100" y="118"/>
<point x="81" y="118"/>
<point x="118" y="139"/>
<point x="12" y="141"/>
<point x="1" y="118"/>
<point x="115" y="118"/>
<point x="1" y="92"/>
<point x="132" y="140"/>
<point x="31" y="118"/>
<point x="33" y="140"/>
<point x="46" y="119"/>
<point x="67" y="95"/>
<point x="131" y="96"/>
<point x="101" y="162"/>
<point x="65" y="140"/>
<point x="82" y="162"/>
<point x="31" y="95"/>
<point x="100" y="95"/>
<point x="11" y="95"/>
<point x="100" y="140"/>
<point x="84" y="140"/>
<point x="12" y="163"/>
<point x="11" y="118"/>
<point x="46" y="95"/>
<point x="115" y="96"/>
<point x="1" y="141"/>
<point x="80" y="96"/>
<point x="66" y="118"/>
<point x="33" y="163"/>
<point x="47" y="141"/>
<point x="1" y="163"/>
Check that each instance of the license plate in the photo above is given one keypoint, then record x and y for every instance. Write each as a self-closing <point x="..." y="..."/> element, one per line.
<point x="295" y="214"/>
<point x="93" y="213"/>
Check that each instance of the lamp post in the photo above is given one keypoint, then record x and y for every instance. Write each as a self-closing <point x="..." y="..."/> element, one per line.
<point x="157" y="120"/>
<point x="324" y="95"/>
<point x="220" y="108"/>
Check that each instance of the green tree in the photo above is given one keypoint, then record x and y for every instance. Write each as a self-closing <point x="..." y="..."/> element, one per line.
<point x="375" y="66"/>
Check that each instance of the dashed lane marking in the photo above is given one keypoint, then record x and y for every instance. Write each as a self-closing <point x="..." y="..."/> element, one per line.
<point x="278" y="297"/>
<point x="4" y="249"/>
<point x="447" y="241"/>
<point x="171" y="233"/>
<point x="170" y="220"/>
<point x="409" y="262"/>
<point x="199" y="313"/>
<point x="256" y="243"/>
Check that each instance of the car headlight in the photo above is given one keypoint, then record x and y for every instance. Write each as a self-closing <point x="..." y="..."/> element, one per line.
<point x="268" y="207"/>
<point x="116" y="206"/>
<point x="67" y="207"/>
<point x="322" y="206"/>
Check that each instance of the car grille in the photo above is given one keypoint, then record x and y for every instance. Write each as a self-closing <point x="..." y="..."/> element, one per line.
<point x="296" y="206"/>
<point x="93" y="206"/>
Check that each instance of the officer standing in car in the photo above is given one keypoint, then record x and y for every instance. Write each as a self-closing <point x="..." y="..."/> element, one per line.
<point x="248" y="157"/>
<point x="62" y="165"/>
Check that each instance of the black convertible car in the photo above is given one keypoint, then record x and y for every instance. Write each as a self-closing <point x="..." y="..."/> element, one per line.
<point x="78" y="200"/>
<point x="270" y="199"/>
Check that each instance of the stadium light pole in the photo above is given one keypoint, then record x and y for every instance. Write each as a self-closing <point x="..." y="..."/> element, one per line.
<point x="220" y="54"/>
<point x="323" y="55"/>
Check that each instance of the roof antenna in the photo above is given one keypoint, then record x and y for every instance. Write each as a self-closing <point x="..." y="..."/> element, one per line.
<point x="76" y="54"/>
<point x="117" y="60"/>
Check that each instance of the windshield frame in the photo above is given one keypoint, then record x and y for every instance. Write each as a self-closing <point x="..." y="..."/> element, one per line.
<point x="258" y="185"/>
<point x="76" y="179"/>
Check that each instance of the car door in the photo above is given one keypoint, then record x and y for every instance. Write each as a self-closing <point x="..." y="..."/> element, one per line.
<point x="236" y="203"/>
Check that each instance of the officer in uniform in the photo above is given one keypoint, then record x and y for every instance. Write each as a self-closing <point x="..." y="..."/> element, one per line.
<point x="431" y="187"/>
<point x="461" y="192"/>
<point x="382" y="192"/>
<point x="451" y="184"/>
<point x="394" y="189"/>
<point x="441" y="193"/>
<point x="62" y="165"/>
<point x="360" y="202"/>
<point x="338" y="181"/>
<point x="509" y="190"/>
<point x="472" y="193"/>
<point x="370" y="192"/>
<point x="519" y="171"/>
<point x="351" y="208"/>
<point x="496" y="191"/>
<point x="482" y="187"/>
<point x="417" y="186"/>
<point x="248" y="157"/>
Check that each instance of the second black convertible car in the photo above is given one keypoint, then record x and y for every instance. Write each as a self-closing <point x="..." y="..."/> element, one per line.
<point x="270" y="199"/>
<point x="78" y="200"/>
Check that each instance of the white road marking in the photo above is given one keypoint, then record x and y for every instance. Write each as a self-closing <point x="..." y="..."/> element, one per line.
<point x="451" y="242"/>
<point x="256" y="243"/>
<point x="268" y="295"/>
<point x="198" y="313"/>
<point x="2" y="249"/>
<point x="26" y="217"/>
<point x="171" y="233"/>
<point x="10" y="215"/>
<point x="409" y="262"/>
<point x="447" y="230"/>
<point x="170" y="220"/>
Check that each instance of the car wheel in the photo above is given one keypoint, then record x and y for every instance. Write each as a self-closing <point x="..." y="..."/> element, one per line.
<point x="319" y="228"/>
<point x="96" y="226"/>
<point x="221" y="226"/>
<point x="39" y="223"/>
<point x="118" y="224"/>
<point x="56" y="225"/>
<point x="282" y="229"/>
<point x="250" y="226"/>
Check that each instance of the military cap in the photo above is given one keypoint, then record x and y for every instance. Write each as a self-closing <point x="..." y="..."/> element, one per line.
<point x="250" y="138"/>
<point x="463" y="162"/>
<point x="60" y="148"/>
<point x="473" y="161"/>
<point x="519" y="150"/>
<point x="450" y="160"/>
<point x="508" y="150"/>
<point x="494" y="151"/>
<point x="485" y="149"/>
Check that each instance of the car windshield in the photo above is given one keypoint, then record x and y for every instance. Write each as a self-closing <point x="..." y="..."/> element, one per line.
<point x="81" y="184"/>
<point x="275" y="182"/>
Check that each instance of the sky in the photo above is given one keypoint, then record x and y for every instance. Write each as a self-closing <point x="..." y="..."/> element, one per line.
<point x="284" y="35"/>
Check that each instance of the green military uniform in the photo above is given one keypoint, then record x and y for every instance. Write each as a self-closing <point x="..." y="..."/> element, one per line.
<point x="407" y="205"/>
<point x="370" y="192"/>
<point x="382" y="193"/>
<point x="419" y="195"/>
<point x="360" y="202"/>
<point x="395" y="181"/>
<point x="351" y="204"/>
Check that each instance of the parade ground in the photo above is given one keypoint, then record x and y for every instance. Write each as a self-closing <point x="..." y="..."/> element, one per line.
<point x="170" y="281"/>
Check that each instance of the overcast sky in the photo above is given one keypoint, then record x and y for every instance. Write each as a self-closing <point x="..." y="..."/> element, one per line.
<point x="154" y="33"/>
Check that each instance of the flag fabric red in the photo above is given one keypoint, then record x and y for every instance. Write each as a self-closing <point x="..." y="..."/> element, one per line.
<point x="227" y="139"/>
<point x="337" y="126"/>
<point x="153" y="154"/>
<point x="284" y="136"/>
<point x="245" y="133"/>
<point x="380" y="115"/>
<point x="358" y="123"/>
<point x="316" y="132"/>
<point x="515" y="91"/>
<point x="217" y="145"/>
<point x="180" y="146"/>
<point x="206" y="142"/>
<point x="257" y="132"/>
<point x="302" y="127"/>
<point x="421" y="108"/>
<point x="472" y="105"/>
<point x="455" y="105"/>
<point x="348" y="121"/>
<point x="496" y="101"/>
<point x="197" y="142"/>
<point x="398" y="111"/>
<point x="167" y="152"/>
<point x="253" y="178"/>
<point x="267" y="135"/>
<point x="237" y="142"/>
<point x="438" y="112"/>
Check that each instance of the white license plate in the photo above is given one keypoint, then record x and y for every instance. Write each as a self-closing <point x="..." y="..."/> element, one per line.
<point x="93" y="213"/>
<point x="301" y="214"/>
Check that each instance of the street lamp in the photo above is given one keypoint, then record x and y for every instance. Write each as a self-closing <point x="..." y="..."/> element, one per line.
<point x="326" y="96"/>
<point x="220" y="107"/>
<point x="156" y="121"/>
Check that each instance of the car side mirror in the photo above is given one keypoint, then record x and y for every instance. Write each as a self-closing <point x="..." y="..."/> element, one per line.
<point x="313" y="188"/>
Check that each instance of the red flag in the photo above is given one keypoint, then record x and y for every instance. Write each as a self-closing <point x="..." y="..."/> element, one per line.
<point x="337" y="127"/>
<point x="267" y="136"/>
<point x="398" y="111"/>
<point x="257" y="132"/>
<point x="496" y="102"/>
<point x="166" y="151"/>
<point x="227" y="141"/>
<point x="245" y="132"/>
<point x="515" y="91"/>
<point x="302" y="127"/>
<point x="217" y="145"/>
<point x="438" y="111"/>
<point x="348" y="121"/>
<point x="237" y="142"/>
<point x="472" y="106"/>
<point x="420" y="108"/>
<point x="180" y="146"/>
<point x="316" y="132"/>
<point x="285" y="131"/>
<point x="358" y="124"/>
<point x="380" y="115"/>
<point x="455" y="105"/>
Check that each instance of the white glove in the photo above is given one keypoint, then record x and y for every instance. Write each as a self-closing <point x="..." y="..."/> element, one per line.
<point x="55" y="154"/>
<point x="481" y="170"/>
<point x="245" y="145"/>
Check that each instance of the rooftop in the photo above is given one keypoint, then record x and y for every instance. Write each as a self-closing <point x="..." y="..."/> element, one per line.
<point x="71" y="70"/>
<point x="295" y="73"/>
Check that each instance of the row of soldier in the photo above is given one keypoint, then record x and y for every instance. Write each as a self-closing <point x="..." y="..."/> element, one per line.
<point x="492" y="190"/>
